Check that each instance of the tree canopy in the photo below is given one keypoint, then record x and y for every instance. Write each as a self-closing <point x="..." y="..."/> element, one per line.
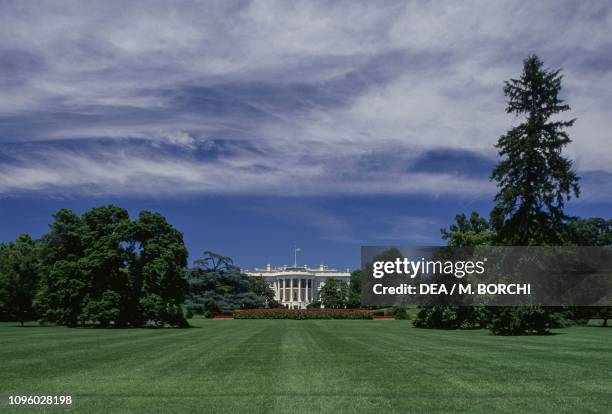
<point x="20" y="272"/>
<point x="105" y="269"/>
<point x="215" y="279"/>
<point x="334" y="294"/>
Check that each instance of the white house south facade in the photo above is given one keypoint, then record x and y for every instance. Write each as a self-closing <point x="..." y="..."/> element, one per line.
<point x="296" y="287"/>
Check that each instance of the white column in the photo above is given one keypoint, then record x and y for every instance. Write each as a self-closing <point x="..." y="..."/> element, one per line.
<point x="291" y="291"/>
<point x="300" y="291"/>
<point x="310" y="291"/>
<point x="306" y="292"/>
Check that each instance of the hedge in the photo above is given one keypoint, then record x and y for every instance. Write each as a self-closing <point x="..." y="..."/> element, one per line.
<point x="302" y="314"/>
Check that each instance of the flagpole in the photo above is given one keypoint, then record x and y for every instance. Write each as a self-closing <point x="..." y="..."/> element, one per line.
<point x="295" y="250"/>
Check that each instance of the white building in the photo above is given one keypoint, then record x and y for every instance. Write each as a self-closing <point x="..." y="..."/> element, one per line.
<point x="295" y="286"/>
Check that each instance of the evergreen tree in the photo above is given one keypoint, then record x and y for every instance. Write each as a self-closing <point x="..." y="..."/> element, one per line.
<point x="534" y="181"/>
<point x="533" y="178"/>
<point x="215" y="279"/>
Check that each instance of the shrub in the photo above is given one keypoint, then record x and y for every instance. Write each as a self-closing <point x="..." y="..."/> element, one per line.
<point x="437" y="317"/>
<point x="515" y="320"/>
<point x="158" y="313"/>
<point x="211" y="307"/>
<point x="400" y="312"/>
<point x="450" y="317"/>
<point x="379" y="312"/>
<point x="173" y="316"/>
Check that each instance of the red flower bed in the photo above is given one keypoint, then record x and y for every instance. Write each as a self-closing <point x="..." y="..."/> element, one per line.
<point x="302" y="314"/>
<point x="222" y="316"/>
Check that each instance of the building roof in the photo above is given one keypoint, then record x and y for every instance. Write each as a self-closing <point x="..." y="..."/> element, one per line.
<point x="322" y="271"/>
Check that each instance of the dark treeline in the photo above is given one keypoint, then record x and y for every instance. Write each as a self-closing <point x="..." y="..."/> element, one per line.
<point x="104" y="269"/>
<point x="98" y="268"/>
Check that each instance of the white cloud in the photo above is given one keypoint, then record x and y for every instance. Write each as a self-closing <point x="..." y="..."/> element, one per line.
<point x="316" y="86"/>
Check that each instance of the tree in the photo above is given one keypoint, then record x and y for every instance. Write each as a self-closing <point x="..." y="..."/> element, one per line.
<point x="64" y="286"/>
<point x="216" y="278"/>
<point x="20" y="271"/>
<point x="104" y="311"/>
<point x="534" y="181"/>
<point x="334" y="294"/>
<point x="263" y="289"/>
<point x="355" y="286"/>
<point x="475" y="231"/>
<point x="4" y="309"/>
<point x="533" y="178"/>
<point x="105" y="235"/>
<point x="215" y="262"/>
<point x="594" y="231"/>
<point x="158" y="269"/>
<point x="105" y="269"/>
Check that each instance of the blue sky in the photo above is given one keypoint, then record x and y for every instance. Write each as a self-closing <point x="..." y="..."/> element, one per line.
<point x="254" y="126"/>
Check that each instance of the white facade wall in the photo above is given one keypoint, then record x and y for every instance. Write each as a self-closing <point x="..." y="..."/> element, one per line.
<point x="296" y="287"/>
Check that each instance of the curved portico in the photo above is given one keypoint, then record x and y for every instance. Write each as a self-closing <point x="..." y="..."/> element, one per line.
<point x="296" y="287"/>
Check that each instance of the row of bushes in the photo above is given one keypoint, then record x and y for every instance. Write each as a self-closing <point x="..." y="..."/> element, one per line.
<point x="302" y="314"/>
<point x="500" y="320"/>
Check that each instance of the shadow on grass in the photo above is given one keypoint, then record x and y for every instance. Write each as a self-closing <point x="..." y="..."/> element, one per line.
<point x="532" y="335"/>
<point x="109" y="328"/>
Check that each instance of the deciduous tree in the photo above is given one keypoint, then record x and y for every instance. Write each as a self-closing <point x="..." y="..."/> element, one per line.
<point x="334" y="294"/>
<point x="20" y="271"/>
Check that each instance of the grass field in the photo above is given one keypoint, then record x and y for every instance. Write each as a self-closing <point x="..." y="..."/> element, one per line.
<point x="250" y="366"/>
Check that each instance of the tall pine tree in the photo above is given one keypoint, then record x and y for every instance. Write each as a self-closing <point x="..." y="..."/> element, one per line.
<point x="534" y="179"/>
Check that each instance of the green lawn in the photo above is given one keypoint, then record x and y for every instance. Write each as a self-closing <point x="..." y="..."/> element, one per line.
<point x="250" y="366"/>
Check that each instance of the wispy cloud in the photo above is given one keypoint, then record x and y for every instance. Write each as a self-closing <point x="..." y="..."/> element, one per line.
<point x="276" y="97"/>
